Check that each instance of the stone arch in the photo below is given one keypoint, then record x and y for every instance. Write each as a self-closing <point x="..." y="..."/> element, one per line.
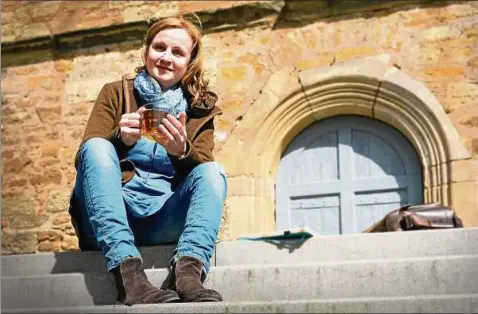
<point x="292" y="101"/>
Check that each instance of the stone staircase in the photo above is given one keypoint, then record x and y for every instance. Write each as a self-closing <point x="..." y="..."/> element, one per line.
<point x="410" y="272"/>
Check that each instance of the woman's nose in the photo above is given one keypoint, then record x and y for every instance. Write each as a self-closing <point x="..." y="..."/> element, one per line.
<point x="166" y="55"/>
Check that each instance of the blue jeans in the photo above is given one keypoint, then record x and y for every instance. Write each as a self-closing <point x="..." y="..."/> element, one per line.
<point x="190" y="216"/>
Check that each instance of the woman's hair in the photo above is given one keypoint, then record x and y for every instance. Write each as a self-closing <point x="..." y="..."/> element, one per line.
<point x="194" y="80"/>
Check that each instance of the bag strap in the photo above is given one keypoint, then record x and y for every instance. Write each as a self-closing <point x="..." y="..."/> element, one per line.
<point x="126" y="93"/>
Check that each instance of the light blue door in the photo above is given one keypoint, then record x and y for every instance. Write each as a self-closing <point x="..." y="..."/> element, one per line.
<point x="344" y="173"/>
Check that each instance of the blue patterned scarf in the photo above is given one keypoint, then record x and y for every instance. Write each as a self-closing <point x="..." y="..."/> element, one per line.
<point x="150" y="91"/>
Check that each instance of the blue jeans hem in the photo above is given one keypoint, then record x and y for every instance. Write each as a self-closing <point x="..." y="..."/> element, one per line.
<point x="115" y="262"/>
<point x="205" y="270"/>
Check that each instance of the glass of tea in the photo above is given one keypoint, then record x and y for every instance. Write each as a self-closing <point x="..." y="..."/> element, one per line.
<point x="151" y="120"/>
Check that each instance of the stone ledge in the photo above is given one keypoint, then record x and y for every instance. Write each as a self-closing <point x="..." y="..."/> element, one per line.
<point x="37" y="49"/>
<point x="298" y="12"/>
<point x="275" y="14"/>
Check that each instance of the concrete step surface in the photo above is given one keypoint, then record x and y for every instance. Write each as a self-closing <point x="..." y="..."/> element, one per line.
<point x="425" y="243"/>
<point x="437" y="275"/>
<point x="461" y="303"/>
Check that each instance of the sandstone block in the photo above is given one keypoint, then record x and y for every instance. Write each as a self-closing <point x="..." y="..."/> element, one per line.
<point x="447" y="72"/>
<point x="49" y="114"/>
<point x="16" y="183"/>
<point x="473" y="62"/>
<point x="10" y="32"/>
<point x="58" y="200"/>
<point x="64" y="65"/>
<point x="471" y="122"/>
<point x="23" y="13"/>
<point x="21" y="212"/>
<point x="464" y="197"/>
<point x="234" y="72"/>
<point x="440" y="33"/>
<point x="315" y="62"/>
<point x="464" y="170"/>
<point x="354" y="52"/>
<point x="49" y="236"/>
<point x="49" y="246"/>
<point x="61" y="218"/>
<point x="16" y="165"/>
<point x="35" y="30"/>
<point x="474" y="146"/>
<point x="21" y="243"/>
<point x="44" y="9"/>
<point x="70" y="243"/>
<point x="52" y="176"/>
<point x="50" y="150"/>
<point x="38" y="83"/>
<point x="16" y="86"/>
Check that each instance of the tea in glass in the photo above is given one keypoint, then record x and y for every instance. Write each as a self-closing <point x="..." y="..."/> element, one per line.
<point x="152" y="118"/>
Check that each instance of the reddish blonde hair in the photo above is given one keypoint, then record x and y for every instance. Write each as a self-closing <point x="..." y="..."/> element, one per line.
<point x="194" y="80"/>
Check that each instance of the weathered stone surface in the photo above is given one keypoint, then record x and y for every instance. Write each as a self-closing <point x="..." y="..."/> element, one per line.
<point x="35" y="30"/>
<point x="21" y="212"/>
<point x="49" y="235"/>
<point x="471" y="122"/>
<point x="474" y="146"/>
<point x="445" y="71"/>
<point x="16" y="165"/>
<point x="440" y="33"/>
<point x="50" y="176"/>
<point x="20" y="243"/>
<point x="64" y="65"/>
<point x="43" y="9"/>
<point x="49" y="246"/>
<point x="69" y="243"/>
<point x="465" y="201"/>
<point x="473" y="62"/>
<point x="58" y="200"/>
<point x="464" y="170"/>
<point x="47" y="95"/>
<point x="61" y="218"/>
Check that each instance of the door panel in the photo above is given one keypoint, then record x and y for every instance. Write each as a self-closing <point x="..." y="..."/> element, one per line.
<point x="374" y="157"/>
<point x="323" y="212"/>
<point x="342" y="174"/>
<point x="317" y="161"/>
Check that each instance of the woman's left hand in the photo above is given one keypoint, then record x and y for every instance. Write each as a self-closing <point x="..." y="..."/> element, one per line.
<point x="174" y="134"/>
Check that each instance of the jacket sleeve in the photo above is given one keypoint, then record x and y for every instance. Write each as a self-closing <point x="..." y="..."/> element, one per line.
<point x="103" y="121"/>
<point x="199" y="150"/>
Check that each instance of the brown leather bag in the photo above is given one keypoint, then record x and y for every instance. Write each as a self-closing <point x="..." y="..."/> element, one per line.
<point x="416" y="217"/>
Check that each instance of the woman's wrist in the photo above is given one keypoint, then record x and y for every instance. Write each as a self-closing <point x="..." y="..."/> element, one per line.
<point x="184" y="151"/>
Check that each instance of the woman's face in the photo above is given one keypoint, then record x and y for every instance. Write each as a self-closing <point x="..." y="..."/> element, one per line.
<point x="168" y="56"/>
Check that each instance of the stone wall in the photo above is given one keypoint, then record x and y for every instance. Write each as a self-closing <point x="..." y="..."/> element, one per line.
<point x="57" y="55"/>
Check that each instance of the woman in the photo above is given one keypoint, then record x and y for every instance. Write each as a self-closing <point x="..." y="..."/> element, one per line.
<point x="131" y="191"/>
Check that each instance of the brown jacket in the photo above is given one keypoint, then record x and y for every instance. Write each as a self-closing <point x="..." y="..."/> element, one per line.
<point x="118" y="98"/>
<point x="113" y="101"/>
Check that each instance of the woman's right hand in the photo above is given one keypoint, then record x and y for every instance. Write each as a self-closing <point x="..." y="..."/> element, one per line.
<point x="130" y="127"/>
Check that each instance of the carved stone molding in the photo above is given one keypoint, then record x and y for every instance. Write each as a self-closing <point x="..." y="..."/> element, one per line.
<point x="292" y="101"/>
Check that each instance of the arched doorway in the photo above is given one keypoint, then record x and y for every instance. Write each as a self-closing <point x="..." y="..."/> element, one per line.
<point x="343" y="173"/>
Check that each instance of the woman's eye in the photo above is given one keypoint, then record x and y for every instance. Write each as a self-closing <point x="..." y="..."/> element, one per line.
<point x="178" y="52"/>
<point x="159" y="47"/>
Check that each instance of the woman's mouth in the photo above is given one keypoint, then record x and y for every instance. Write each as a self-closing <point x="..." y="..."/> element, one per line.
<point x="165" y="68"/>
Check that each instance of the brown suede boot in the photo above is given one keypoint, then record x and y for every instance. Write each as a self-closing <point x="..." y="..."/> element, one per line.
<point x="134" y="287"/>
<point x="186" y="280"/>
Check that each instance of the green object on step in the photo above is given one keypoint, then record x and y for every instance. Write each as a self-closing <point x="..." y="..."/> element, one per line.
<point x="288" y="234"/>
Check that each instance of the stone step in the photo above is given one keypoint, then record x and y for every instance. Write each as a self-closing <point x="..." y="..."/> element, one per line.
<point x="461" y="303"/>
<point x="439" y="275"/>
<point x="364" y="246"/>
<point x="316" y="249"/>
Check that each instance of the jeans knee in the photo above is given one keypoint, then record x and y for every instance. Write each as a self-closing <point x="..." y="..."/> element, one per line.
<point x="99" y="151"/>
<point x="213" y="175"/>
